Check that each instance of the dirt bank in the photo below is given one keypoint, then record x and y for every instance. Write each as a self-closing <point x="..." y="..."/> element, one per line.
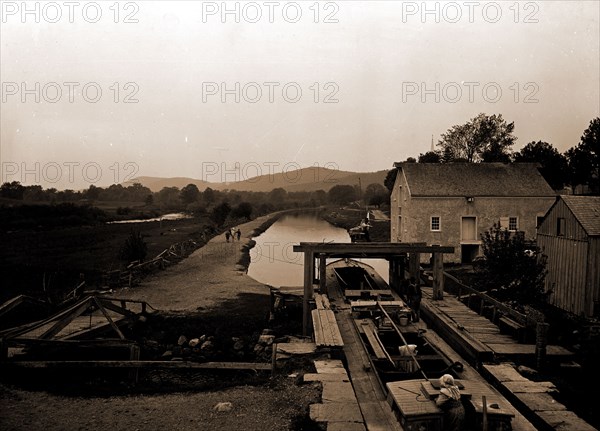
<point x="210" y="284"/>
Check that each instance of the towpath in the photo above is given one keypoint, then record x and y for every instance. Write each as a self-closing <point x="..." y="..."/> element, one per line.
<point x="205" y="279"/>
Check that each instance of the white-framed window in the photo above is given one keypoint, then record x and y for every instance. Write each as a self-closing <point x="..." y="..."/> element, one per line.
<point x="436" y="223"/>
<point x="511" y="223"/>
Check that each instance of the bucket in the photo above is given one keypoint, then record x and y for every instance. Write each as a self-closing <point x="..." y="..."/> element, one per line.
<point x="403" y="320"/>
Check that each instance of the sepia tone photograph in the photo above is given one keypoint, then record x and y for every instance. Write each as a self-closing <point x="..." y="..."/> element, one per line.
<point x="300" y="215"/>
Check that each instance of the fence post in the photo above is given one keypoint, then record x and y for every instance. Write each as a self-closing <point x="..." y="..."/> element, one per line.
<point x="541" y="341"/>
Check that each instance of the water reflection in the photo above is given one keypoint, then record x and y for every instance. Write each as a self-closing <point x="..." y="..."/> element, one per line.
<point x="273" y="260"/>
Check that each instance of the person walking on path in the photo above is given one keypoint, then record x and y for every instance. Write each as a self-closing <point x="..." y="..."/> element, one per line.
<point x="414" y="296"/>
<point x="238" y="233"/>
<point x="227" y="235"/>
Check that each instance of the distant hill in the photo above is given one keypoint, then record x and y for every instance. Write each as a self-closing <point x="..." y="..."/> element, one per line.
<point x="307" y="179"/>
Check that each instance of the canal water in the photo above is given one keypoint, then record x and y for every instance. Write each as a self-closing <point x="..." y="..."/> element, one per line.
<point x="273" y="260"/>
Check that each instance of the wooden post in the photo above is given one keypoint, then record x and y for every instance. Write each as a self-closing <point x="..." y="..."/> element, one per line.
<point x="438" y="276"/>
<point x="273" y="359"/>
<point x="541" y="341"/>
<point x="414" y="265"/>
<point x="323" y="274"/>
<point x="134" y="355"/>
<point x="308" y="291"/>
<point x="484" y="416"/>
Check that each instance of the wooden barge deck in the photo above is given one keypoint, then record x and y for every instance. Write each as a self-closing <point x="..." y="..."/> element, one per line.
<point x="380" y="404"/>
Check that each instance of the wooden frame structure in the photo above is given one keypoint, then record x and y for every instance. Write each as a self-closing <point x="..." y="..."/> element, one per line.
<point x="395" y="253"/>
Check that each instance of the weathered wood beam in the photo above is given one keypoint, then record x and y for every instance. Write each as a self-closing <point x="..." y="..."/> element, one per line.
<point x="308" y="292"/>
<point x="323" y="274"/>
<point x="112" y="324"/>
<point x="370" y="248"/>
<point x="141" y="364"/>
<point x="66" y="318"/>
<point x="438" y="276"/>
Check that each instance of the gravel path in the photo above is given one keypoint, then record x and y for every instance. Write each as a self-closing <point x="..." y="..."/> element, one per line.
<point x="205" y="279"/>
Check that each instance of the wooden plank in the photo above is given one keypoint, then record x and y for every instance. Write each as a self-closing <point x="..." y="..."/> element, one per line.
<point x="368" y="248"/>
<point x="402" y="395"/>
<point x="505" y="373"/>
<point x="333" y="327"/>
<point x="296" y="348"/>
<point x="345" y="426"/>
<point x="528" y="349"/>
<point x="367" y="326"/>
<point x="565" y="421"/>
<point x="107" y="316"/>
<point x="337" y="391"/>
<point x="141" y="364"/>
<point x="329" y="377"/>
<point x="540" y="402"/>
<point x="330" y="367"/>
<point x="530" y="387"/>
<point x="336" y="412"/>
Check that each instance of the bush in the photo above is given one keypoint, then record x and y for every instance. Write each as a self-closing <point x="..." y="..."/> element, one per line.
<point x="512" y="266"/>
<point x="135" y="248"/>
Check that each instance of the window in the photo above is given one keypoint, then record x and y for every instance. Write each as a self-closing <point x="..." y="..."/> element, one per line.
<point x="560" y="226"/>
<point x="513" y="223"/>
<point x="436" y="223"/>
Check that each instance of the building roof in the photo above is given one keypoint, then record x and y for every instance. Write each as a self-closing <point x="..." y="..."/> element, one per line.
<point x="475" y="179"/>
<point x="586" y="210"/>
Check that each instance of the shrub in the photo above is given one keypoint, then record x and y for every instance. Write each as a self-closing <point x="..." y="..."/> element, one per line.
<point x="135" y="248"/>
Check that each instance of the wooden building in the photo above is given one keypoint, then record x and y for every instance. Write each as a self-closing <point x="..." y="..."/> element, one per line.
<point x="570" y="236"/>
<point x="454" y="203"/>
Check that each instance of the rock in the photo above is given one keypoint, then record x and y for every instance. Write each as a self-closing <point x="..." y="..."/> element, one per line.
<point x="177" y="351"/>
<point x="175" y="359"/>
<point x="203" y="339"/>
<point x="267" y="331"/>
<point x="258" y="349"/>
<point x="186" y="351"/>
<point x="168" y="354"/>
<point x="194" y="342"/>
<point x="223" y="407"/>
<point x="182" y="340"/>
<point x="207" y="346"/>
<point x="239" y="345"/>
<point x="266" y="340"/>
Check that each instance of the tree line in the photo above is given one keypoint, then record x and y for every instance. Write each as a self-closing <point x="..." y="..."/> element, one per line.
<point x="489" y="138"/>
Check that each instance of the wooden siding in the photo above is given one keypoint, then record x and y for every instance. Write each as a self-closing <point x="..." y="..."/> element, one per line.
<point x="573" y="230"/>
<point x="593" y="273"/>
<point x="573" y="262"/>
<point x="567" y="270"/>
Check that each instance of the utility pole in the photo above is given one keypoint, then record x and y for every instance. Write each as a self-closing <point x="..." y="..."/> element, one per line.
<point x="359" y="189"/>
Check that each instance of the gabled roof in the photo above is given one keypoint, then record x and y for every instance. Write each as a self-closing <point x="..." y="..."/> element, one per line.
<point x="586" y="210"/>
<point x="475" y="179"/>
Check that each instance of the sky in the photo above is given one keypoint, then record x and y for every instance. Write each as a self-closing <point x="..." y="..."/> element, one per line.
<point x="101" y="92"/>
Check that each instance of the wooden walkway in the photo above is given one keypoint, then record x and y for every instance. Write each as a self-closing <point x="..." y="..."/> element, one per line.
<point x="371" y="399"/>
<point x="545" y="412"/>
<point x="473" y="335"/>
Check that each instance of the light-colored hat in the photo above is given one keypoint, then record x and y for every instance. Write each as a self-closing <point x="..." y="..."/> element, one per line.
<point x="447" y="380"/>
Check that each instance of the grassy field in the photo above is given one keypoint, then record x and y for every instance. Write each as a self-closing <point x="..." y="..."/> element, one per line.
<point x="60" y="254"/>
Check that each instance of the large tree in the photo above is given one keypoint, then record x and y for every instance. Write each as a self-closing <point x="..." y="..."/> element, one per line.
<point x="390" y="179"/>
<point x="376" y="194"/>
<point x="430" y="157"/>
<point x="584" y="159"/>
<point x="189" y="194"/>
<point x="341" y="194"/>
<point x="554" y="167"/>
<point x="485" y="138"/>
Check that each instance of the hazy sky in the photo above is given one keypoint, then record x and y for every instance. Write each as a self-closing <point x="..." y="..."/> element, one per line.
<point x="395" y="73"/>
